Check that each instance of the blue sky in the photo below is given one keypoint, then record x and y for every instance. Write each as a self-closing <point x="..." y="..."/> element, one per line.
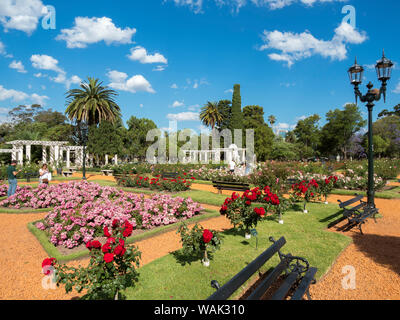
<point x="167" y="58"/>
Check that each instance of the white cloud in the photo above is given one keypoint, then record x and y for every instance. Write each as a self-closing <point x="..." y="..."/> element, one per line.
<point x="195" y="107"/>
<point x="92" y="30"/>
<point x="183" y="116"/>
<point x="229" y="91"/>
<point x="297" y="46"/>
<point x="12" y="94"/>
<point x="39" y="99"/>
<point x="17" y="65"/>
<point x="174" y="86"/>
<point x="21" y="15"/>
<point x="159" y="68"/>
<point x="197" y="5"/>
<point x="140" y="54"/>
<point x="177" y="104"/>
<point x="19" y="96"/>
<point x="119" y="81"/>
<point x="397" y="89"/>
<point x="45" y="62"/>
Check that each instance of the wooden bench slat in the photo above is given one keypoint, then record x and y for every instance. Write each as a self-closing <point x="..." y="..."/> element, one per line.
<point x="232" y="285"/>
<point x="304" y="284"/>
<point x="285" y="287"/>
<point x="351" y="201"/>
<point x="267" y="282"/>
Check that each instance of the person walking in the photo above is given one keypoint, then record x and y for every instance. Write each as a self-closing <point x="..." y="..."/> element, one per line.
<point x="12" y="178"/>
<point x="232" y="166"/>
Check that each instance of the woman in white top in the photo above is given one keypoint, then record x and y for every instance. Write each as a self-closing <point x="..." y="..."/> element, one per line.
<point x="44" y="175"/>
<point x="232" y="166"/>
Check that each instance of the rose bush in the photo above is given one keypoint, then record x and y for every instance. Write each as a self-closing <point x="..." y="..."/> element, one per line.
<point x="199" y="242"/>
<point x="82" y="210"/>
<point x="111" y="269"/>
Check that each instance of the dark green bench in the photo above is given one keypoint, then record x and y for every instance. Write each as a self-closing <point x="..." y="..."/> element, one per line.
<point x="356" y="215"/>
<point x="291" y="277"/>
<point x="230" y="185"/>
<point x="169" y="175"/>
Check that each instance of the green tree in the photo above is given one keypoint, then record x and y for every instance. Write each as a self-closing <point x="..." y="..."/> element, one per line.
<point x="135" y="140"/>
<point x="93" y="103"/>
<point x="272" y="120"/>
<point x="340" y="127"/>
<point x="237" y="116"/>
<point x="389" y="129"/>
<point x="225" y="110"/>
<point x="253" y="118"/>
<point x="210" y="116"/>
<point x="308" y="135"/>
<point x="380" y="145"/>
<point x="104" y="140"/>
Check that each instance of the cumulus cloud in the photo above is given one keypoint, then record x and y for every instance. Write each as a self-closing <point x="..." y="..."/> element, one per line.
<point x="174" y="86"/>
<point x="21" y="15"/>
<point x="45" y="62"/>
<point x="140" y="54"/>
<point x="177" y="104"/>
<point x="17" y="65"/>
<point x="183" y="116"/>
<point x="92" y="30"/>
<point x="120" y="81"/>
<point x="19" y="96"/>
<point x="297" y="46"/>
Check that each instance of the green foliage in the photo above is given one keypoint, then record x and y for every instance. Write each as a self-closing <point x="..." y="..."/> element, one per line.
<point x="340" y="127"/>
<point x="210" y="116"/>
<point x="253" y="118"/>
<point x="135" y="140"/>
<point x="237" y="116"/>
<point x="193" y="244"/>
<point x="103" y="279"/>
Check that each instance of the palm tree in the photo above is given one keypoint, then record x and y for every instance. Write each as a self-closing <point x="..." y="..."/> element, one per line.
<point x="272" y="120"/>
<point x="210" y="115"/>
<point x="90" y="105"/>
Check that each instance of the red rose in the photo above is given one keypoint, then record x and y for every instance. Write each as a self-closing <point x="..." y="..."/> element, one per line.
<point x="121" y="242"/>
<point x="259" y="211"/>
<point x="119" y="250"/>
<point x="207" y="236"/>
<point x="89" y="245"/>
<point x="108" y="257"/>
<point x="106" y="232"/>
<point x="248" y="202"/>
<point x="106" y="248"/>
<point x="47" y="264"/>
<point x="96" y="244"/>
<point x="223" y="209"/>
<point x="111" y="240"/>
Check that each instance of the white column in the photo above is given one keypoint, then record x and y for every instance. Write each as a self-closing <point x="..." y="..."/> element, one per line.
<point x="28" y="153"/>
<point x="68" y="158"/>
<point x="21" y="155"/>
<point x="44" y="154"/>
<point x="116" y="159"/>
<point x="106" y="159"/>
<point x="244" y="155"/>
<point x="14" y="153"/>
<point x="52" y="155"/>
<point x="56" y="154"/>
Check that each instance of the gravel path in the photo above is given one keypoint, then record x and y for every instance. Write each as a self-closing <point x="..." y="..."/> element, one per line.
<point x="374" y="256"/>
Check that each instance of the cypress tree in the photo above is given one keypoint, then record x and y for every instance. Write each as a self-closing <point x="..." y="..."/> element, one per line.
<point x="237" y="116"/>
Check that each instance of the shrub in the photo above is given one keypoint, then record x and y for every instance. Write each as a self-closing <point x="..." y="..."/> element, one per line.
<point x="199" y="242"/>
<point x="111" y="268"/>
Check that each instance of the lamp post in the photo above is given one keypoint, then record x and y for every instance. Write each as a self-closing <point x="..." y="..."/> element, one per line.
<point x="383" y="69"/>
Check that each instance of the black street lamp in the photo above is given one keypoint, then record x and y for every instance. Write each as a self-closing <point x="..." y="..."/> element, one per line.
<point x="383" y="69"/>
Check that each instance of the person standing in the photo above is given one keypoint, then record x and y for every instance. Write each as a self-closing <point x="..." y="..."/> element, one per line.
<point x="12" y="178"/>
<point x="232" y="166"/>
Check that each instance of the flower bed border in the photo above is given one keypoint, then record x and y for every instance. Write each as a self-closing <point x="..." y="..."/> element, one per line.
<point x="52" y="250"/>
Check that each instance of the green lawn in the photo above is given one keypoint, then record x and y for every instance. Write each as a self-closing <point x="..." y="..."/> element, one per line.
<point x="174" y="277"/>
<point x="386" y="194"/>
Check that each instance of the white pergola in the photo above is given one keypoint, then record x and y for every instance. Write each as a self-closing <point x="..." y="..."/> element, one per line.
<point x="56" y="148"/>
<point x="234" y="153"/>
